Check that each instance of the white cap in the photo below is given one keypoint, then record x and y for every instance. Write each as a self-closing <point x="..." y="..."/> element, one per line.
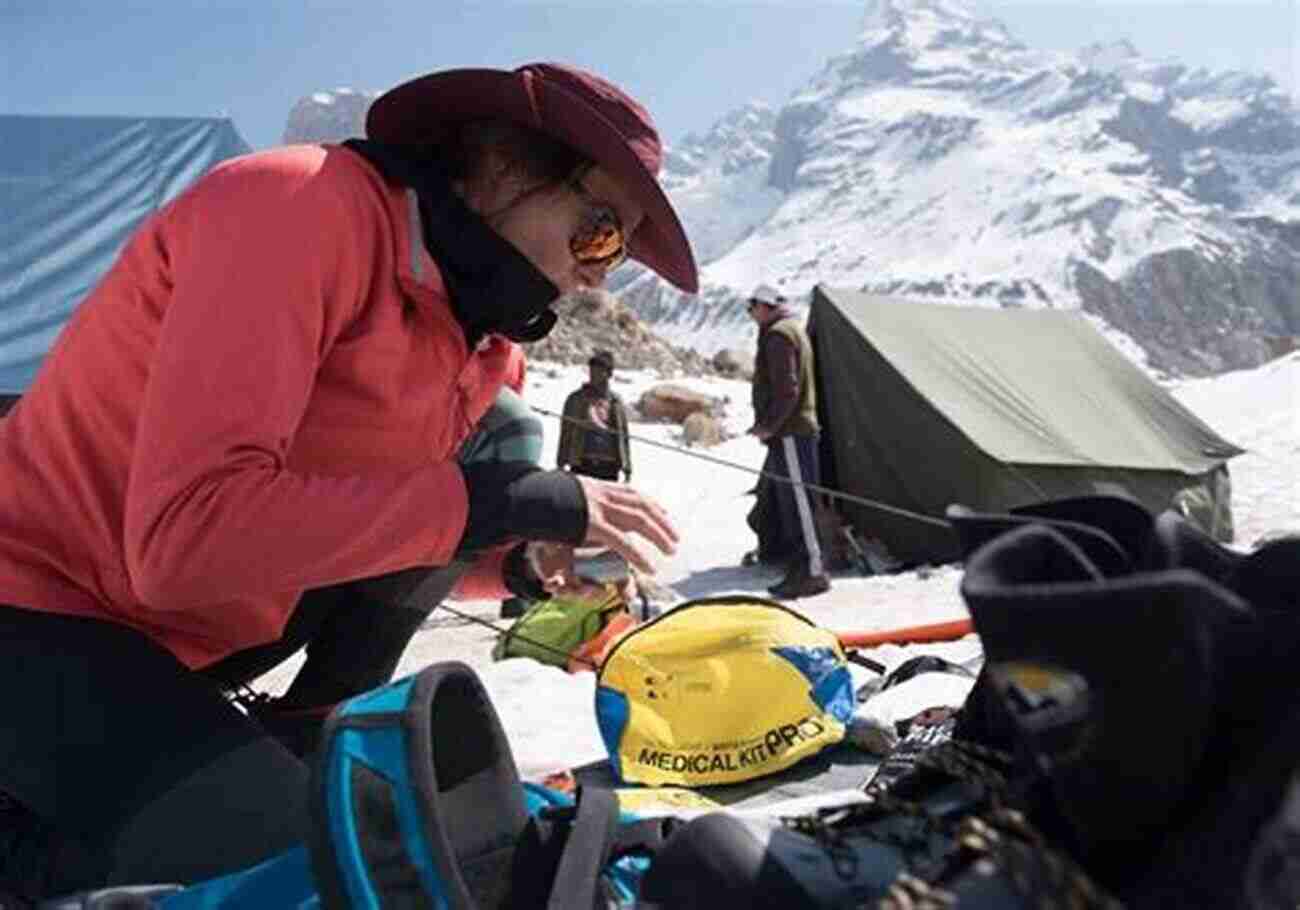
<point x="765" y="293"/>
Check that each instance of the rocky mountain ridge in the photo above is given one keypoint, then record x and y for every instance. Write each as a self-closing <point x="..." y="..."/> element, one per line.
<point x="595" y="320"/>
<point x="941" y="159"/>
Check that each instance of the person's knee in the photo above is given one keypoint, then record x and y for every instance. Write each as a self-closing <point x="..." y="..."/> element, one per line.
<point x="529" y="433"/>
<point x="509" y="431"/>
<point x="254" y="804"/>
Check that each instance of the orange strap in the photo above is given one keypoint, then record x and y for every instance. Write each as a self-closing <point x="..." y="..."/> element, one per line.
<point x="939" y="631"/>
<point x="590" y="655"/>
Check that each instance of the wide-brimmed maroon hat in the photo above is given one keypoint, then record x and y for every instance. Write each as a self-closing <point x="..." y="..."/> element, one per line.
<point x="594" y="117"/>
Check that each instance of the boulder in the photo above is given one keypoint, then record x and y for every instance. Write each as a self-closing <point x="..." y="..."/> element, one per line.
<point x="593" y="319"/>
<point x="700" y="429"/>
<point x="728" y="362"/>
<point x="1281" y="345"/>
<point x="673" y="403"/>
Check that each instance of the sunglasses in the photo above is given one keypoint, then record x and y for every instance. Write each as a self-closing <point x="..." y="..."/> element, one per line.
<point x="599" y="238"/>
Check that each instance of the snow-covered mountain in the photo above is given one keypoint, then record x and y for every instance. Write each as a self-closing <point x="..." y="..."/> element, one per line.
<point x="328" y="116"/>
<point x="719" y="181"/>
<point x="941" y="159"/>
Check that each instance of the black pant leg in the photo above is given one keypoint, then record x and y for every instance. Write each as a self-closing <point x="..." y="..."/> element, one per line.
<point x="774" y="540"/>
<point x="605" y="471"/>
<point x="304" y="624"/>
<point x="139" y="761"/>
<point x="361" y="640"/>
<point x="782" y="501"/>
<point x="355" y="635"/>
<point x="795" y="458"/>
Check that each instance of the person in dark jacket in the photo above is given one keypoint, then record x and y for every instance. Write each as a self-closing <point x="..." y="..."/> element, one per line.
<point x="593" y="434"/>
<point x="254" y="438"/>
<point x="785" y="419"/>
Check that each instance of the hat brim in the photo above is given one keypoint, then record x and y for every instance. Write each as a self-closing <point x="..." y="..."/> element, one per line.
<point x="425" y="111"/>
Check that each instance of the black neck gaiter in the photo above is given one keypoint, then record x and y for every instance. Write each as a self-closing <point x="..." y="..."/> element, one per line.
<point x="493" y="287"/>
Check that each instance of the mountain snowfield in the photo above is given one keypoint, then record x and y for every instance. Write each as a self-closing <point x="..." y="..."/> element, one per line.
<point x="940" y="158"/>
<point x="936" y="157"/>
<point x="548" y="714"/>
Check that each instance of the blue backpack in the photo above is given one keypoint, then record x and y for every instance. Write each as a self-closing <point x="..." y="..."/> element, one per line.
<point x="417" y="802"/>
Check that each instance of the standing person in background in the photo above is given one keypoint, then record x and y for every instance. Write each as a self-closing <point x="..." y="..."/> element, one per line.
<point x="785" y="419"/>
<point x="593" y="437"/>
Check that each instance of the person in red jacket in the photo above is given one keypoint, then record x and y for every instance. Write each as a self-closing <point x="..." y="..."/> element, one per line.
<point x="252" y="437"/>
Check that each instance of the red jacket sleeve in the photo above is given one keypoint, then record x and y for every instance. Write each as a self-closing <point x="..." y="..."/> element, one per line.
<point x="267" y="269"/>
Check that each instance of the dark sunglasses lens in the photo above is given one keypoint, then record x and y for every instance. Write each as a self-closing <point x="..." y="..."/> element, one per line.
<point x="535" y="329"/>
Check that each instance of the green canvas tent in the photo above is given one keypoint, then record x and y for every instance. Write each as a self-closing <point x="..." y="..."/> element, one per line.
<point x="925" y="405"/>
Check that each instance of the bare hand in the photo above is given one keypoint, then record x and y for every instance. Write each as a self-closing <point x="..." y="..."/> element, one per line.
<point x="614" y="510"/>
<point x="554" y="565"/>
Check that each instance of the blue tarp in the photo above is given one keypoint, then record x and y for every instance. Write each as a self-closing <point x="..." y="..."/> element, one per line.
<point x="72" y="190"/>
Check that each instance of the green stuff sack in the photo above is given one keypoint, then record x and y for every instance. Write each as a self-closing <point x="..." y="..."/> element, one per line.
<point x="552" y="629"/>
<point x="721" y="690"/>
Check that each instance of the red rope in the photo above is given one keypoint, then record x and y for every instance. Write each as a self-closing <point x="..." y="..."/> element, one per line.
<point x="939" y="631"/>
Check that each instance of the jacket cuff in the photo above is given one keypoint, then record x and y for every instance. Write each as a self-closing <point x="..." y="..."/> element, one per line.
<point x="519" y="500"/>
<point x="519" y="577"/>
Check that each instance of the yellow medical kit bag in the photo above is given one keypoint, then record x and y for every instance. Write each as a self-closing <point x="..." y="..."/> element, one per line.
<point x="721" y="690"/>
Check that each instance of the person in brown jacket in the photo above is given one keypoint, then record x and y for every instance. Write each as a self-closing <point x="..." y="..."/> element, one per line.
<point x="785" y="419"/>
<point x="593" y="438"/>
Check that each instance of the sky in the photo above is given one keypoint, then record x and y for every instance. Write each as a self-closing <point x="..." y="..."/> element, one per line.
<point x="688" y="61"/>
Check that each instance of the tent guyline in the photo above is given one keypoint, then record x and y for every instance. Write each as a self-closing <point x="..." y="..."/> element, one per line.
<point x="850" y="641"/>
<point x="500" y="632"/>
<point x="835" y="494"/>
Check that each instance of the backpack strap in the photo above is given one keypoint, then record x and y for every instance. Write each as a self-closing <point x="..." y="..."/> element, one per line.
<point x="645" y="837"/>
<point x="593" y="840"/>
<point x="587" y="849"/>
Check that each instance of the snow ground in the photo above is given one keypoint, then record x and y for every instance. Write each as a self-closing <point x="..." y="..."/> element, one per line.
<point x="548" y="714"/>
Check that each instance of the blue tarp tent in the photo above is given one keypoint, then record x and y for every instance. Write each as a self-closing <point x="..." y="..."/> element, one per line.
<point x="72" y="189"/>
